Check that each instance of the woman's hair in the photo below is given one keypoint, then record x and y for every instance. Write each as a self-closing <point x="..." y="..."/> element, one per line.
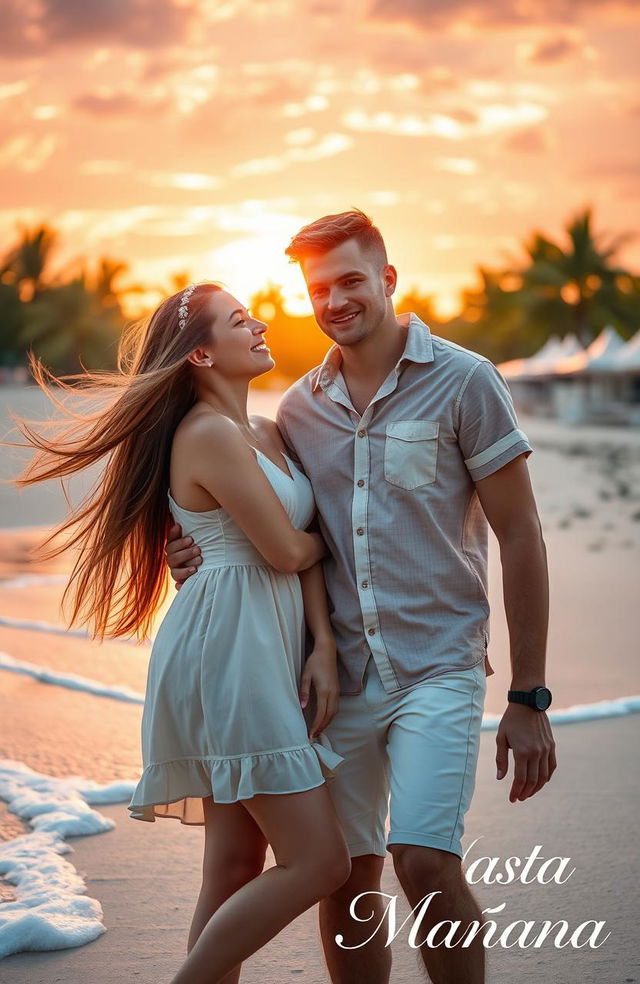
<point x="119" y="577"/>
<point x="333" y="230"/>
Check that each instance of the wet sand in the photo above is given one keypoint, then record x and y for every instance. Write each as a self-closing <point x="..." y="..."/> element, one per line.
<point x="147" y="879"/>
<point x="587" y="484"/>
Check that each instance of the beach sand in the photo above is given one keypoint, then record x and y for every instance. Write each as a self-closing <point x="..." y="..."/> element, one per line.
<point x="587" y="483"/>
<point x="147" y="878"/>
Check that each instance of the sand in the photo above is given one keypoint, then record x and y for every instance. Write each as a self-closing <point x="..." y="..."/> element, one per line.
<point x="587" y="484"/>
<point x="147" y="878"/>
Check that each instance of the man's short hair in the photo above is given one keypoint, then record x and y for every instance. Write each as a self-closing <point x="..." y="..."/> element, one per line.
<point x="332" y="230"/>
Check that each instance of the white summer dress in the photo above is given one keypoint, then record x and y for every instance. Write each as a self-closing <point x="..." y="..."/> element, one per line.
<point x="222" y="712"/>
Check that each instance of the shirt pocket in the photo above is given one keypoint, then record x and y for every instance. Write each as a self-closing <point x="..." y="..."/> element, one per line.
<point x="411" y="453"/>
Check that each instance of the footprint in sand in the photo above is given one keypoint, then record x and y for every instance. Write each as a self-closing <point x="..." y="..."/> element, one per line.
<point x="579" y="512"/>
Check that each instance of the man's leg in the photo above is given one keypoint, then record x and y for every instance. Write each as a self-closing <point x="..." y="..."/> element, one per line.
<point x="360" y="792"/>
<point x="433" y="744"/>
<point x="422" y="870"/>
<point x="368" y="964"/>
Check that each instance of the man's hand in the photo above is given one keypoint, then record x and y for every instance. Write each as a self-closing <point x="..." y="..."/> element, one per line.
<point x="183" y="555"/>
<point x="527" y="733"/>
<point x="320" y="672"/>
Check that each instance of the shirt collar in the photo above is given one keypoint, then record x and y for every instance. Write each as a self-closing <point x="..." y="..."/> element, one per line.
<point x="418" y="348"/>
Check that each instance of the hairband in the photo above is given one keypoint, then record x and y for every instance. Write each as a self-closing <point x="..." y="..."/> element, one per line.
<point x="183" y="309"/>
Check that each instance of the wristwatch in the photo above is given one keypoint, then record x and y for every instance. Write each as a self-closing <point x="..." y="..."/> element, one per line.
<point x="539" y="698"/>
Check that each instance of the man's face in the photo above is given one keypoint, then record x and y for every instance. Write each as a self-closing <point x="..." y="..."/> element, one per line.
<point x="349" y="289"/>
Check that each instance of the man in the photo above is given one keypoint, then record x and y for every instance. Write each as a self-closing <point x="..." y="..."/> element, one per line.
<point x="411" y="444"/>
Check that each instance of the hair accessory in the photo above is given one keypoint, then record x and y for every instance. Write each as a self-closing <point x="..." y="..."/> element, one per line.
<point x="183" y="309"/>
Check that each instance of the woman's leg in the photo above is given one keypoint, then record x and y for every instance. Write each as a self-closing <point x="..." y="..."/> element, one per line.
<point x="234" y="852"/>
<point x="312" y="861"/>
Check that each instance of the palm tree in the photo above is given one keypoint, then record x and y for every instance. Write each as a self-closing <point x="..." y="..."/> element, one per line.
<point x="104" y="281"/>
<point x="421" y="304"/>
<point x="27" y="262"/>
<point x="578" y="288"/>
<point x="11" y="325"/>
<point x="69" y="326"/>
<point x="492" y="321"/>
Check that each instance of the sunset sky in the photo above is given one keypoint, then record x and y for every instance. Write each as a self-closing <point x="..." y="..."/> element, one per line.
<point x="198" y="135"/>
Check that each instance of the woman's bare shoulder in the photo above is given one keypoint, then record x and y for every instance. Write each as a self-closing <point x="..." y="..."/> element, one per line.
<point x="205" y="423"/>
<point x="267" y="427"/>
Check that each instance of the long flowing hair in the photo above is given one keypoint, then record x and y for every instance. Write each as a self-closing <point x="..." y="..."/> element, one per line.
<point x="130" y="417"/>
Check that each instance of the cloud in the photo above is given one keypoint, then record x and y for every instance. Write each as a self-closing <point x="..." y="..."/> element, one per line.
<point x="611" y="169"/>
<point x="144" y="23"/>
<point x="553" y="50"/>
<point x="27" y="153"/>
<point x="102" y="167"/>
<point x="183" y="180"/>
<point x="436" y="14"/>
<point x="111" y="102"/>
<point x="529" y="141"/>
<point x="107" y="104"/>
<point x="15" y="40"/>
<point x="12" y="89"/>
<point x="453" y="125"/>
<point x="330" y="145"/>
<point x="457" y="165"/>
<point x="32" y="29"/>
<point x="633" y="109"/>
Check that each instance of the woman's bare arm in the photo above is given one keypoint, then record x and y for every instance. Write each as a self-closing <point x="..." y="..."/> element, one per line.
<point x="229" y="472"/>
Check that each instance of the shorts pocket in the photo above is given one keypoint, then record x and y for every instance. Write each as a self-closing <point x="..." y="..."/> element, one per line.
<point x="411" y="453"/>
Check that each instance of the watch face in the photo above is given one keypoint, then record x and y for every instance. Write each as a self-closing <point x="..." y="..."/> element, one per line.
<point x="542" y="698"/>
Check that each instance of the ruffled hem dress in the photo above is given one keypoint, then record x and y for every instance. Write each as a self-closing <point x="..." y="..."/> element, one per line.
<point x="222" y="713"/>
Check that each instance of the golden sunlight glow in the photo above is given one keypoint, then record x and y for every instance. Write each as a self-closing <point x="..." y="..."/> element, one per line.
<point x="198" y="146"/>
<point x="250" y="264"/>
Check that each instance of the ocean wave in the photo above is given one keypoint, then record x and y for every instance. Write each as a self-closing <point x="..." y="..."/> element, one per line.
<point x="616" y="707"/>
<point x="33" y="580"/>
<point x="52" y="628"/>
<point x="72" y="681"/>
<point x="51" y="910"/>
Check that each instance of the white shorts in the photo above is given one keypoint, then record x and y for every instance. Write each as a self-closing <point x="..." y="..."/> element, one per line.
<point x="414" y="752"/>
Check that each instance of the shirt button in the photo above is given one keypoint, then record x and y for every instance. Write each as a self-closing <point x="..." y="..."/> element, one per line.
<point x="365" y="584"/>
<point x="360" y="483"/>
<point x="372" y="631"/>
<point x="361" y="433"/>
<point x="360" y="531"/>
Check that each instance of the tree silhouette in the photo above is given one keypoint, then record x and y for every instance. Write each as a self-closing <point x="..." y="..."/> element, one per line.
<point x="27" y="262"/>
<point x="77" y="317"/>
<point x="578" y="288"/>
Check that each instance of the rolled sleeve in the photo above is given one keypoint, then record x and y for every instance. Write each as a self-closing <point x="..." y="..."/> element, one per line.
<point x="488" y="433"/>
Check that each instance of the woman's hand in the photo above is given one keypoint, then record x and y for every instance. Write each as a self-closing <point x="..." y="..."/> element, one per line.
<point x="321" y="673"/>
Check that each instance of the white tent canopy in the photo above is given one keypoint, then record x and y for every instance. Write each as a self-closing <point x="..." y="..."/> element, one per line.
<point x="628" y="357"/>
<point x="543" y="363"/>
<point x="598" y="357"/>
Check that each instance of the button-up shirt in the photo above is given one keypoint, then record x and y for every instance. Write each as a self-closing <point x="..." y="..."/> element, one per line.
<point x="406" y="572"/>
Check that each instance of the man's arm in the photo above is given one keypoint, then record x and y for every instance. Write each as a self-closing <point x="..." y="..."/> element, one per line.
<point x="509" y="505"/>
<point x="183" y="555"/>
<point x="320" y="669"/>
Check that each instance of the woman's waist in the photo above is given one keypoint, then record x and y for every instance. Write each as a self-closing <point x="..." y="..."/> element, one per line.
<point x="229" y="555"/>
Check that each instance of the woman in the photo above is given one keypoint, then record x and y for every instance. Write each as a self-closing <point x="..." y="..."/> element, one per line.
<point x="223" y="735"/>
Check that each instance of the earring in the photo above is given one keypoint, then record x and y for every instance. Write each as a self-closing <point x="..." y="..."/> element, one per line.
<point x="210" y="363"/>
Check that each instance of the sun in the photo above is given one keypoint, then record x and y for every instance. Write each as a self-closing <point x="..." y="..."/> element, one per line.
<point x="248" y="265"/>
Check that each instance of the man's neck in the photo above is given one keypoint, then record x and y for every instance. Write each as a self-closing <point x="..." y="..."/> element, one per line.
<point x="374" y="357"/>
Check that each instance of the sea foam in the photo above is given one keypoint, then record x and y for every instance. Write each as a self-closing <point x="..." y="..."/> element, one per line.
<point x="616" y="707"/>
<point x="52" y="628"/>
<point x="51" y="910"/>
<point x="72" y="681"/>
